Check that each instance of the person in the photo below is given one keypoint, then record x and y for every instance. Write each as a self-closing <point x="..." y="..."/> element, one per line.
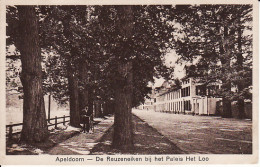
<point x="85" y="110"/>
<point x="85" y="119"/>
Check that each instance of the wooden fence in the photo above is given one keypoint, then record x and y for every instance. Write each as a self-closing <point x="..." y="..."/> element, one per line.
<point x="10" y="127"/>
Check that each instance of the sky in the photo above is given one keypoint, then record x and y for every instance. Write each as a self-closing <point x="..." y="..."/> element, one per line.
<point x="170" y="61"/>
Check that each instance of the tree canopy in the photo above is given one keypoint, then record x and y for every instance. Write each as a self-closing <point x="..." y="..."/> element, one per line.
<point x="220" y="38"/>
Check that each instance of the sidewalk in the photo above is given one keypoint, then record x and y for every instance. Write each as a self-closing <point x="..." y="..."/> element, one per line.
<point x="82" y="143"/>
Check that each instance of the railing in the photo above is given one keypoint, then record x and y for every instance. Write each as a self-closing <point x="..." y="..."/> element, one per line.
<point x="10" y="127"/>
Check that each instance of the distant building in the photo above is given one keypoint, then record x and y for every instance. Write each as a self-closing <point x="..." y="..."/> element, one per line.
<point x="191" y="97"/>
<point x="149" y="102"/>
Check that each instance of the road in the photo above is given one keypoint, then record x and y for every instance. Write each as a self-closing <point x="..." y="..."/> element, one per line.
<point x="202" y="134"/>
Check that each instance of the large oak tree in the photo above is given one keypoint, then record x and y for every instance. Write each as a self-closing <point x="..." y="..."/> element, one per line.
<point x="34" y="117"/>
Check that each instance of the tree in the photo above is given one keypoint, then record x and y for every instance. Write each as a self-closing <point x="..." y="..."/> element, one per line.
<point x="211" y="34"/>
<point x="134" y="39"/>
<point x="92" y="37"/>
<point x="123" y="136"/>
<point x="34" y="118"/>
<point x="64" y="31"/>
<point x="242" y="78"/>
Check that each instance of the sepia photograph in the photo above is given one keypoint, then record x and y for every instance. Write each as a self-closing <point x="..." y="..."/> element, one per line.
<point x="130" y="83"/>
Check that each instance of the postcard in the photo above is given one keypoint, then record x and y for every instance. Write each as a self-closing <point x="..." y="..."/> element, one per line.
<point x="129" y="83"/>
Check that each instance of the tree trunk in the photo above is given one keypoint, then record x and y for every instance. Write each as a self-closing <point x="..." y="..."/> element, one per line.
<point x="83" y="93"/>
<point x="34" y="117"/>
<point x="225" y="51"/>
<point x="112" y="107"/>
<point x="240" y="86"/>
<point x="108" y="108"/>
<point x="123" y="133"/>
<point x="73" y="78"/>
<point x="98" y="109"/>
<point x="74" y="99"/>
<point x="73" y="82"/>
<point x="83" y="100"/>
<point x="90" y="100"/>
<point x="227" y="111"/>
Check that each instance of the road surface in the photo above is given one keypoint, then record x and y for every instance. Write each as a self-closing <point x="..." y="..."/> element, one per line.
<point x="202" y="134"/>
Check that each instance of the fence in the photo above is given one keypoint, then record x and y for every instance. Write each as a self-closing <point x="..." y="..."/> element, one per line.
<point x="10" y="127"/>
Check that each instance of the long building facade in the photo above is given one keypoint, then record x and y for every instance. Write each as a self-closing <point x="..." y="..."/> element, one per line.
<point x="190" y="98"/>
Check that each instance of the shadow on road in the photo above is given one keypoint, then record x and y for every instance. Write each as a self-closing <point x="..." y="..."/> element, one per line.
<point x="147" y="140"/>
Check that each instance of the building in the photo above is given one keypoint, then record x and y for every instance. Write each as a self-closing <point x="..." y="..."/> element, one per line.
<point x="148" y="103"/>
<point x="191" y="97"/>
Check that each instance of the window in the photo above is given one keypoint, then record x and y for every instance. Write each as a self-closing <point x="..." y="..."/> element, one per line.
<point x="185" y="92"/>
<point x="187" y="105"/>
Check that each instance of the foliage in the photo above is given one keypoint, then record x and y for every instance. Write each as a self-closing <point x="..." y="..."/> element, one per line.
<point x="219" y="37"/>
<point x="92" y="32"/>
<point x="150" y="41"/>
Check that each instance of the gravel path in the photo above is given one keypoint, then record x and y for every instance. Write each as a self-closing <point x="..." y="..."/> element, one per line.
<point x="82" y="143"/>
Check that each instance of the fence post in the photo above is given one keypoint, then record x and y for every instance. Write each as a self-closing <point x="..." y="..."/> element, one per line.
<point x="55" y="122"/>
<point x="10" y="132"/>
<point x="64" y="120"/>
<point x="49" y="109"/>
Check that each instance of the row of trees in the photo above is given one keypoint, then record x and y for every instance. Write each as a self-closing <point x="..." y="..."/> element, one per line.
<point x="87" y="51"/>
<point x="112" y="52"/>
